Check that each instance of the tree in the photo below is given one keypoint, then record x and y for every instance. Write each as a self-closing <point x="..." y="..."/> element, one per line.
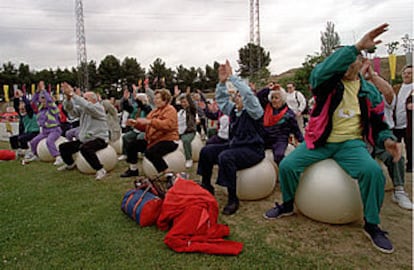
<point x="212" y="75"/>
<point x="131" y="71"/>
<point x="93" y="75"/>
<point x="24" y="75"/>
<point x="253" y="62"/>
<point x="158" y="72"/>
<point x="109" y="74"/>
<point x="329" y="39"/>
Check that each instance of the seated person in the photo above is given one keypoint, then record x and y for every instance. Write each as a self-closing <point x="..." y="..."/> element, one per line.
<point x="348" y="112"/>
<point x="279" y="121"/>
<point x="49" y="122"/>
<point x="212" y="112"/>
<point x="161" y="130"/>
<point x="28" y="127"/>
<point x="186" y="114"/>
<point x="142" y="109"/>
<point x="395" y="169"/>
<point x="93" y="130"/>
<point x="133" y="141"/>
<point x="245" y="147"/>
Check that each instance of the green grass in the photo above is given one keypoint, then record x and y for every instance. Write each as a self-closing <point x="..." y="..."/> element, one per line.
<point x="67" y="220"/>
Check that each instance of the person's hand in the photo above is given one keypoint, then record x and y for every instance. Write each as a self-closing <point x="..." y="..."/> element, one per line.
<point x="18" y="93"/>
<point x="127" y="94"/>
<point x="298" y="114"/>
<point x="67" y="89"/>
<point x="177" y="91"/>
<point x="228" y="68"/>
<point x="131" y="122"/>
<point x="368" y="40"/>
<point x="366" y="69"/>
<point x="222" y="74"/>
<point x="188" y="90"/>
<point x="393" y="148"/>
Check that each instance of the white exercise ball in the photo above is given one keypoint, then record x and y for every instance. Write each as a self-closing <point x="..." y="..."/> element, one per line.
<point x="117" y="145"/>
<point x="175" y="162"/>
<point x="256" y="182"/>
<point x="328" y="194"/>
<point x="196" y="146"/>
<point x="107" y="157"/>
<point x="269" y="156"/>
<point x="43" y="152"/>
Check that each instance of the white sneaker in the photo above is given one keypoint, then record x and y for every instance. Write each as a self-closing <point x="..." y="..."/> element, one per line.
<point x="122" y="157"/>
<point x="29" y="157"/>
<point x="188" y="163"/>
<point x="67" y="167"/>
<point x="100" y="174"/>
<point x="58" y="161"/>
<point x="402" y="199"/>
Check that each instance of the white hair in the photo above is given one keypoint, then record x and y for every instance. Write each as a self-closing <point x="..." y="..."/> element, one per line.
<point x="280" y="91"/>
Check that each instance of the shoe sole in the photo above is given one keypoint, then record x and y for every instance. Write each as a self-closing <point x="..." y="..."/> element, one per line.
<point x="279" y="216"/>
<point x="377" y="247"/>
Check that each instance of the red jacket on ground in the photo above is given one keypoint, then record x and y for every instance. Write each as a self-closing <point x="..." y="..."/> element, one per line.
<point x="192" y="213"/>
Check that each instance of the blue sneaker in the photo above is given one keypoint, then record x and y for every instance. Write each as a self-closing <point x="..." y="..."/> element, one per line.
<point x="378" y="238"/>
<point x="280" y="210"/>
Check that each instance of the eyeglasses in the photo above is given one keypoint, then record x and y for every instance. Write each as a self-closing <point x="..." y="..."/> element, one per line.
<point x="274" y="97"/>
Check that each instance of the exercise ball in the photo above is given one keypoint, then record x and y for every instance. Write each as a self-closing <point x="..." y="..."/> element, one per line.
<point x="117" y="145"/>
<point x="256" y="182"/>
<point x="107" y="157"/>
<point x="43" y="152"/>
<point x="196" y="145"/>
<point x="328" y="194"/>
<point x="175" y="161"/>
<point x="269" y="156"/>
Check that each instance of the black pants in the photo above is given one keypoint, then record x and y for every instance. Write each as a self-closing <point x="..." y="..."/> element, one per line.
<point x="229" y="160"/>
<point x="22" y="140"/>
<point x="87" y="149"/>
<point x="202" y="126"/>
<point x="157" y="151"/>
<point x="401" y="133"/>
<point x="132" y="148"/>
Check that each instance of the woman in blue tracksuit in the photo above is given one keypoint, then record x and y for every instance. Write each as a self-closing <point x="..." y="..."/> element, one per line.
<point x="245" y="147"/>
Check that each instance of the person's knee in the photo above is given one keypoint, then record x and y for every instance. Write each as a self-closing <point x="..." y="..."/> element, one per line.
<point x="286" y="164"/>
<point x="226" y="159"/>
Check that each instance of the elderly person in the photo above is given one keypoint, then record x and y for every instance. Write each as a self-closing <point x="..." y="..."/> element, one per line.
<point x="49" y="122"/>
<point x="245" y="147"/>
<point x="279" y="121"/>
<point x="161" y="130"/>
<point x="28" y="127"/>
<point x="348" y="112"/>
<point x="93" y="130"/>
<point x="133" y="141"/>
<point x="395" y="169"/>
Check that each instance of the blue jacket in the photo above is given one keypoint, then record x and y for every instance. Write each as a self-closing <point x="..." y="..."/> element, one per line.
<point x="246" y="126"/>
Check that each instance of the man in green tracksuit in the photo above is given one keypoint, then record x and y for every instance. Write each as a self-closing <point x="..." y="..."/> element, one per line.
<point x="348" y="112"/>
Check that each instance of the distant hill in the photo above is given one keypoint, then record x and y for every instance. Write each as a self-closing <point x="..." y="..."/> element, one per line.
<point x="385" y="69"/>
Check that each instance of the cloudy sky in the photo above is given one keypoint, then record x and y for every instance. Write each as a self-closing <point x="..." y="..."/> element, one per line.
<point x="41" y="33"/>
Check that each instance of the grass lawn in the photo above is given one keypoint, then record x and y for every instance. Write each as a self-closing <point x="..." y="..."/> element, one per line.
<point x="67" y="220"/>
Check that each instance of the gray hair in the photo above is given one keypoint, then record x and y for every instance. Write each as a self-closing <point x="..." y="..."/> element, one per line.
<point x="281" y="92"/>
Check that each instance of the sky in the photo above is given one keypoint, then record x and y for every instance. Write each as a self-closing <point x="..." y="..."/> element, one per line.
<point x="42" y="33"/>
